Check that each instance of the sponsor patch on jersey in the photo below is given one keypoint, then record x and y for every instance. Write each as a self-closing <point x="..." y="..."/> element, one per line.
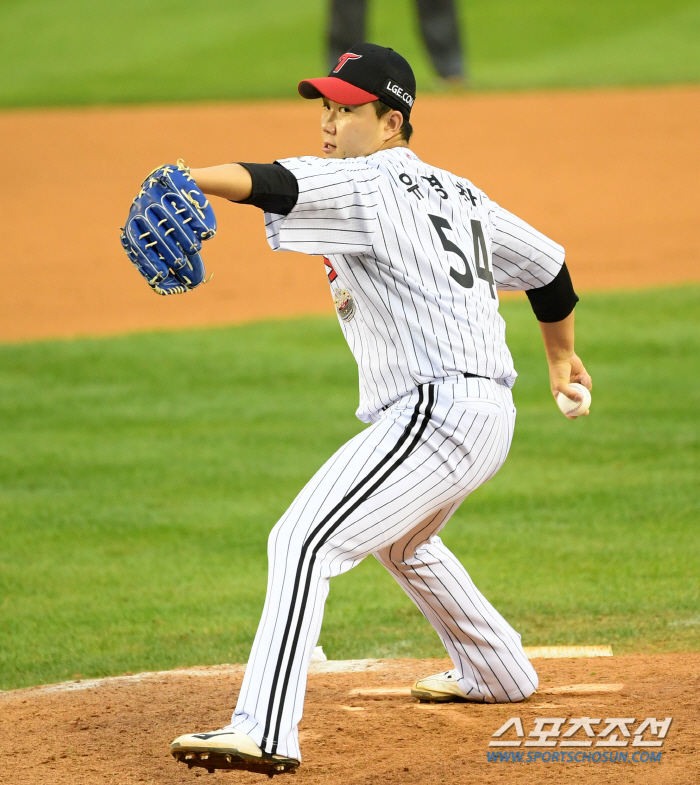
<point x="344" y="304"/>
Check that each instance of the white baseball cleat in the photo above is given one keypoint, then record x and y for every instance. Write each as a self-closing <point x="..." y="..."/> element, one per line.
<point x="440" y="688"/>
<point x="229" y="749"/>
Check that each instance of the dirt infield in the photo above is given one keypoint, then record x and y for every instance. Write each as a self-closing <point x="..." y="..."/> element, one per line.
<point x="610" y="174"/>
<point x="359" y="727"/>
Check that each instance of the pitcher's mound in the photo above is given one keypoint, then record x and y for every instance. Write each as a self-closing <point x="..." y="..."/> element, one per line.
<point x="361" y="725"/>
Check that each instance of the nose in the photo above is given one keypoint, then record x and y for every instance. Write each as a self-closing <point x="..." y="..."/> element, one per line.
<point x="328" y="122"/>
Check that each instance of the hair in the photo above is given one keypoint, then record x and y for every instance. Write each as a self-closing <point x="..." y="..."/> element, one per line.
<point x="381" y="109"/>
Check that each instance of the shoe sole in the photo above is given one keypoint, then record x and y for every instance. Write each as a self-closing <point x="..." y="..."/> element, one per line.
<point x="424" y="696"/>
<point x="221" y="758"/>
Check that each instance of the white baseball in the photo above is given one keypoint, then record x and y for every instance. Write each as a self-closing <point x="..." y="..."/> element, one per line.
<point x="576" y="408"/>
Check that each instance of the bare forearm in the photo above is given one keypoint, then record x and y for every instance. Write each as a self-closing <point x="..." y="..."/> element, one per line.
<point x="558" y="339"/>
<point x="230" y="181"/>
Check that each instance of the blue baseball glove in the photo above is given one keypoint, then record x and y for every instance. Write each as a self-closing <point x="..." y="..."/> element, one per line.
<point x="167" y="223"/>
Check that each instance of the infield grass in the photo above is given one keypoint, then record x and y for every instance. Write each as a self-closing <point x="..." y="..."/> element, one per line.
<point x="93" y="51"/>
<point x="140" y="475"/>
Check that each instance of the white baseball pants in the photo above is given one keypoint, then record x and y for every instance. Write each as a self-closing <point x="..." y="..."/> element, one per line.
<point x="387" y="492"/>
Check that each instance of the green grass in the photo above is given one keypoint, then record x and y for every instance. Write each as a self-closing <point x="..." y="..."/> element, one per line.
<point x="140" y="475"/>
<point x="93" y="51"/>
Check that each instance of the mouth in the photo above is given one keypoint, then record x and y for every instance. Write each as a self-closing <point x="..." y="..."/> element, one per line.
<point x="328" y="147"/>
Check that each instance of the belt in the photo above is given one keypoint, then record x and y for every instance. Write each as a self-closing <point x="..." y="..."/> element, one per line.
<point x="466" y="375"/>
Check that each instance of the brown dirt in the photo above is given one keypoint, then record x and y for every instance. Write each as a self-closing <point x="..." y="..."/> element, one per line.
<point x="611" y="174"/>
<point x="119" y="731"/>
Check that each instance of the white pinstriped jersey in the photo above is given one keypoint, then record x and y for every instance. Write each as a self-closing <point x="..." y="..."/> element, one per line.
<point x="415" y="256"/>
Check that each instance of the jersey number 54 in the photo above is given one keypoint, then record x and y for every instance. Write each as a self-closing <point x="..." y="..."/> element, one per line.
<point x="466" y="279"/>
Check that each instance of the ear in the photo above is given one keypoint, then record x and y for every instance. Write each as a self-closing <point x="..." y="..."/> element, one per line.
<point x="392" y="123"/>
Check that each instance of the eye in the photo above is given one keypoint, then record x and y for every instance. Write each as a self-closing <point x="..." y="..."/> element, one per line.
<point x="345" y="109"/>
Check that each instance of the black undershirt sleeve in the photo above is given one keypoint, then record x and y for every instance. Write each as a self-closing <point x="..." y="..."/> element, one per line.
<point x="556" y="300"/>
<point x="275" y="189"/>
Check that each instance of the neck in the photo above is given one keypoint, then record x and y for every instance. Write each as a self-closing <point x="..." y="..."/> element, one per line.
<point x="395" y="141"/>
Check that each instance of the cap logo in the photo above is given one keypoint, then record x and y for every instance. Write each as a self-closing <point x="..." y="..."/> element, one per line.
<point x="399" y="92"/>
<point x="343" y="59"/>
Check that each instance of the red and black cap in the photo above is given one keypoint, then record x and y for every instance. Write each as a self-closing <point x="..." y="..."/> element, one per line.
<point x="365" y="73"/>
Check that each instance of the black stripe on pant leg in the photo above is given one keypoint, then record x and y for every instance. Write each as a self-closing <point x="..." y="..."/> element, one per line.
<point x="307" y="543"/>
<point x="324" y="539"/>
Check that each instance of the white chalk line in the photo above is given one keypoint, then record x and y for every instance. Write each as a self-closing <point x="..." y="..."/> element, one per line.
<point x="326" y="666"/>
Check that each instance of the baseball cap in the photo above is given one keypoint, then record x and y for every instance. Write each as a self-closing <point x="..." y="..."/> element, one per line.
<point x="367" y="72"/>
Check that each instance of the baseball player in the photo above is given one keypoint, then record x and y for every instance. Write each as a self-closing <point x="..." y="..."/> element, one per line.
<point x="415" y="257"/>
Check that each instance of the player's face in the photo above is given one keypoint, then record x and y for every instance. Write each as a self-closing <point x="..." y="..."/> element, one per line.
<point x="352" y="131"/>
